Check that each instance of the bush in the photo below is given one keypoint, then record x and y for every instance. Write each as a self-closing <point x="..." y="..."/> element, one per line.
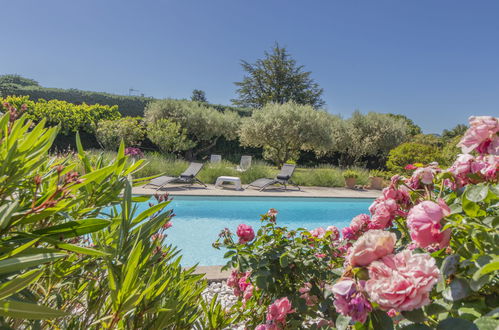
<point x="74" y="250"/>
<point x="109" y="133"/>
<point x="410" y="153"/>
<point x="168" y="136"/>
<point x="70" y="117"/>
<point x="426" y="257"/>
<point x="348" y="174"/>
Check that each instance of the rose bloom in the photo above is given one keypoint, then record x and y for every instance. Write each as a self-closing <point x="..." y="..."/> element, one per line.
<point x="481" y="135"/>
<point x="318" y="232"/>
<point x="424" y="224"/>
<point x="349" y="300"/>
<point x="371" y="246"/>
<point x="334" y="232"/>
<point x="278" y="311"/>
<point x="310" y="300"/>
<point x="245" y="233"/>
<point x="383" y="212"/>
<point x="423" y="175"/>
<point x="357" y="226"/>
<point x="403" y="281"/>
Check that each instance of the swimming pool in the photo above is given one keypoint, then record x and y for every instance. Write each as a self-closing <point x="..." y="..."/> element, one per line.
<point x="199" y="219"/>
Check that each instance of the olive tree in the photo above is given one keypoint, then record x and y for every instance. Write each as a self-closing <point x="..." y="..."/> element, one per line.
<point x="109" y="133"/>
<point x="168" y="136"/>
<point x="372" y="134"/>
<point x="282" y="130"/>
<point x="204" y="125"/>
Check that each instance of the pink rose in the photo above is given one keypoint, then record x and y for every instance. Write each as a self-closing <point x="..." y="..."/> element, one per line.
<point x="278" y="311"/>
<point x="245" y="233"/>
<point x="266" y="327"/>
<point x="357" y="226"/>
<point x="424" y="224"/>
<point x="248" y="292"/>
<point x="423" y="175"/>
<point x="349" y="300"/>
<point x="371" y="246"/>
<point x="481" y="135"/>
<point x="402" y="281"/>
<point x="318" y="232"/>
<point x="310" y="300"/>
<point x="334" y="232"/>
<point x="383" y="212"/>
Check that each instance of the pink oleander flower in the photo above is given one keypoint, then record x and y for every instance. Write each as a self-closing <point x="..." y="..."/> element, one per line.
<point x="481" y="135"/>
<point x="424" y="224"/>
<point x="371" y="246"/>
<point x="403" y="281"/>
<point x="318" y="232"/>
<point x="310" y="300"/>
<point x="167" y="225"/>
<point x="383" y="212"/>
<point x="278" y="311"/>
<point x="334" y="233"/>
<point x="350" y="301"/>
<point x="245" y="233"/>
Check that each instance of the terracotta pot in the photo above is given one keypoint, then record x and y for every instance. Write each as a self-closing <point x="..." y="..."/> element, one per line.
<point x="376" y="183"/>
<point x="350" y="182"/>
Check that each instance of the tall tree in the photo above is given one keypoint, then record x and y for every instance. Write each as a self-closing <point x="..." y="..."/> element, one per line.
<point x="198" y="96"/>
<point x="277" y="79"/>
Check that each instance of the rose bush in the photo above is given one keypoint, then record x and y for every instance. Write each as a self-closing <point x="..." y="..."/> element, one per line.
<point x="427" y="255"/>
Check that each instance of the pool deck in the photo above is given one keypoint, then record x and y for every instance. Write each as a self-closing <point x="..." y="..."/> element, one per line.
<point x="197" y="190"/>
<point x="214" y="273"/>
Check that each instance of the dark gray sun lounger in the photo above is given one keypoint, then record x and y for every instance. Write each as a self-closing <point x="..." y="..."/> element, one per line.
<point x="283" y="178"/>
<point x="188" y="177"/>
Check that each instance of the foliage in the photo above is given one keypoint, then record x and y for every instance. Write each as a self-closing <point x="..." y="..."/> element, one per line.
<point x="411" y="153"/>
<point x="74" y="254"/>
<point x="350" y="174"/>
<point x="204" y="125"/>
<point x="277" y="79"/>
<point x="426" y="257"/>
<point x="428" y="139"/>
<point x="198" y="96"/>
<point x="450" y="151"/>
<point x="127" y="105"/>
<point x="285" y="129"/>
<point x="16" y="80"/>
<point x="373" y="134"/>
<point x="70" y="117"/>
<point x="168" y="136"/>
<point x="456" y="131"/>
<point x="110" y="133"/>
<point x="412" y="128"/>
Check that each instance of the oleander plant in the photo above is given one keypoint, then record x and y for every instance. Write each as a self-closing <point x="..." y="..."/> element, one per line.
<point x="426" y="257"/>
<point x="75" y="252"/>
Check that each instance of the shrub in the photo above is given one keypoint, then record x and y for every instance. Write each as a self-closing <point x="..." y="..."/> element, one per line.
<point x="70" y="117"/>
<point x="168" y="136"/>
<point x="410" y="153"/>
<point x="282" y="130"/>
<point x="76" y="253"/>
<point x="350" y="174"/>
<point x="110" y="133"/>
<point x="425" y="257"/>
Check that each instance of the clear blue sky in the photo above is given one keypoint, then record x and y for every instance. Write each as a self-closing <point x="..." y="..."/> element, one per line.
<point x="436" y="61"/>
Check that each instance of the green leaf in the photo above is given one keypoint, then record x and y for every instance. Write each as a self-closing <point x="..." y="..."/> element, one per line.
<point x="75" y="228"/>
<point x="6" y="212"/>
<point x="381" y="320"/>
<point x="487" y="323"/>
<point x="416" y="327"/>
<point x="22" y="310"/>
<point x="342" y="322"/>
<point x="284" y="260"/>
<point x="416" y="316"/>
<point x="18" y="283"/>
<point x="492" y="266"/>
<point x="456" y="324"/>
<point x="261" y="282"/>
<point x="457" y="290"/>
<point x="449" y="266"/>
<point x="476" y="193"/>
<point x="11" y="265"/>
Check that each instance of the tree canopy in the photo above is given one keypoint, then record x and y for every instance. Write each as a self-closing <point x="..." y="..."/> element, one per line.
<point x="277" y="79"/>
<point x="285" y="129"/>
<point x="198" y="96"/>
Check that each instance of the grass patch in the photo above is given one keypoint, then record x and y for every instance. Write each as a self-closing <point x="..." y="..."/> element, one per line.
<point x="321" y="175"/>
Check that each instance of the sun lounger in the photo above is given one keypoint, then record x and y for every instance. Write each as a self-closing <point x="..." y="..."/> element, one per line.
<point x="283" y="178"/>
<point x="245" y="164"/>
<point x="188" y="177"/>
<point x="215" y="158"/>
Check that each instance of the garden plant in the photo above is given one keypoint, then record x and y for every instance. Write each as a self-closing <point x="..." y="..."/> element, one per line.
<point x="426" y="257"/>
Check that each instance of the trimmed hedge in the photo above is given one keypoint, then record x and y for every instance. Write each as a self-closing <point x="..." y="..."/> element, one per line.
<point x="132" y="106"/>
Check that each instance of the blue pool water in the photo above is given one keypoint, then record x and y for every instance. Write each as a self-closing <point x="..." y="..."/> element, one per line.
<point x="200" y="219"/>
